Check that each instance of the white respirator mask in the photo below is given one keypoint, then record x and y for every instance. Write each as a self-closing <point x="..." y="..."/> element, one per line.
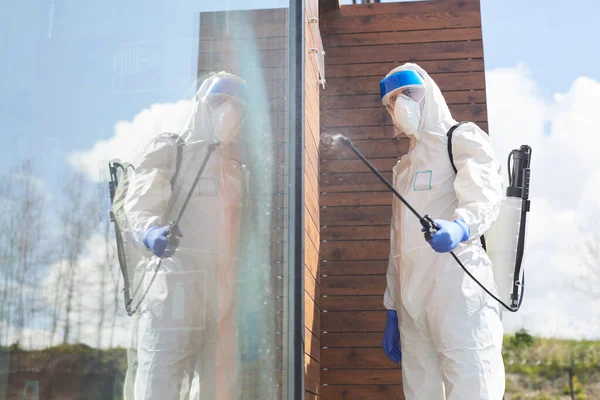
<point x="226" y="120"/>
<point x="407" y="115"/>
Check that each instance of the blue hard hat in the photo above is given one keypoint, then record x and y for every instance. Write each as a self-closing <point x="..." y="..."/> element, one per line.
<point x="399" y="80"/>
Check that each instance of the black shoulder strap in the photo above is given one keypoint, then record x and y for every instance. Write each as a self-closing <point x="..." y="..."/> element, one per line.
<point x="483" y="242"/>
<point x="180" y="143"/>
<point x="449" y="134"/>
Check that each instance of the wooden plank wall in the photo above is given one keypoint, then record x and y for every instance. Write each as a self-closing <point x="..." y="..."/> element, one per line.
<point x="362" y="44"/>
<point x="311" y="208"/>
<point x="254" y="45"/>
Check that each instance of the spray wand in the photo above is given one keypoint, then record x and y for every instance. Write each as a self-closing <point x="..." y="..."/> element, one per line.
<point x="426" y="221"/>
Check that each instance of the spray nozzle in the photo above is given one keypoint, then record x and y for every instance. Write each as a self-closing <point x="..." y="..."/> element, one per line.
<point x="334" y="140"/>
<point x="345" y="141"/>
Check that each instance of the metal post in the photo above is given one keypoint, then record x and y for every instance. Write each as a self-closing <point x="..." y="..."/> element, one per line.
<point x="295" y="260"/>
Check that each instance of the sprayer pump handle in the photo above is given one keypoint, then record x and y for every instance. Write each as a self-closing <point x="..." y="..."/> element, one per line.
<point x="429" y="226"/>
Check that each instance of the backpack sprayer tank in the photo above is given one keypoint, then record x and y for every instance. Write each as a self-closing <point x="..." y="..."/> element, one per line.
<point x="506" y="238"/>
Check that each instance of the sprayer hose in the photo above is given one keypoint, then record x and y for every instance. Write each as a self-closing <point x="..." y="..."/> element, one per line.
<point x="511" y="309"/>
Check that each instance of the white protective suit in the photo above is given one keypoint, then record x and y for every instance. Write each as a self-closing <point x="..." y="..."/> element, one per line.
<point x="450" y="329"/>
<point x="186" y="325"/>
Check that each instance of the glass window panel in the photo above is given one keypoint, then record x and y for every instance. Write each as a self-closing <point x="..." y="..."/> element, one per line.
<point x="144" y="199"/>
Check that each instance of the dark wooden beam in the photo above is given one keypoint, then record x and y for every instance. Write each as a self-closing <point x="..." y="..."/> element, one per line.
<point x="328" y="5"/>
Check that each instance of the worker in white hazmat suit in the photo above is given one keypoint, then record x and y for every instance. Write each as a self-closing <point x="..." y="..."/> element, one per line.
<point x="449" y="329"/>
<point x="186" y="325"/>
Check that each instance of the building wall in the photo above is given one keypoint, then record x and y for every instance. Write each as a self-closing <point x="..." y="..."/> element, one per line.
<point x="362" y="44"/>
<point x="311" y="212"/>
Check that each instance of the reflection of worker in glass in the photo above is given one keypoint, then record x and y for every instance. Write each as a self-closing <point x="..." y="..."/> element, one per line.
<point x="188" y="316"/>
<point x="450" y="329"/>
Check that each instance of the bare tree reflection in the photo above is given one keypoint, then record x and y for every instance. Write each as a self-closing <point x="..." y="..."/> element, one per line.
<point x="22" y="247"/>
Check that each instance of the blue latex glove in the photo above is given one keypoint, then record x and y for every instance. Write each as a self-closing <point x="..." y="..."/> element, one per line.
<point x="391" y="337"/>
<point x="449" y="235"/>
<point x="253" y="338"/>
<point x="157" y="240"/>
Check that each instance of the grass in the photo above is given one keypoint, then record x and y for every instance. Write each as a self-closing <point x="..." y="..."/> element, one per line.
<point x="540" y="368"/>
